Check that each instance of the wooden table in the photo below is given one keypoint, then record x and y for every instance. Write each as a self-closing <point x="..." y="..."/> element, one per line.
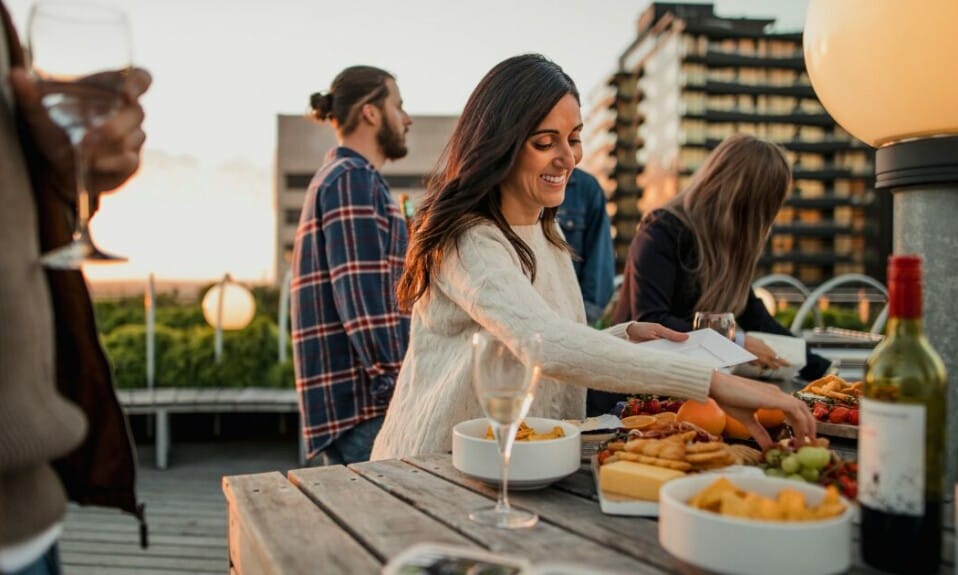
<point x="352" y="520"/>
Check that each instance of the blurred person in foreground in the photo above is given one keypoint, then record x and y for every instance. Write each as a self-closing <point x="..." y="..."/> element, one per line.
<point x="487" y="254"/>
<point x="585" y="225"/>
<point x="699" y="252"/>
<point x="62" y="432"/>
<point x="349" y="336"/>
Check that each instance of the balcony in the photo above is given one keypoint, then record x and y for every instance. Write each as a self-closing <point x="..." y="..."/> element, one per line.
<point x="822" y="229"/>
<point x="821" y="147"/>
<point x="796" y="257"/>
<point x="753" y="117"/>
<point x="825" y="202"/>
<point x="713" y="87"/>
<point x="725" y="60"/>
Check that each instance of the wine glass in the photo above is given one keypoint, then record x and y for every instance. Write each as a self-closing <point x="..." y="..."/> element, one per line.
<point x="505" y="385"/>
<point x="722" y="322"/>
<point x="80" y="55"/>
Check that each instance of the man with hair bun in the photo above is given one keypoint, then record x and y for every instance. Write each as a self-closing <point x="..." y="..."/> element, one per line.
<point x="349" y="337"/>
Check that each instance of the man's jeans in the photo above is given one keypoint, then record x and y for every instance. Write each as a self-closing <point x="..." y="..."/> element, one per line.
<point x="354" y="446"/>
<point x="47" y="564"/>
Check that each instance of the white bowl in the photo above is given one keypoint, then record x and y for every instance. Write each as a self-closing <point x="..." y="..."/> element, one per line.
<point x="534" y="464"/>
<point x="751" y="547"/>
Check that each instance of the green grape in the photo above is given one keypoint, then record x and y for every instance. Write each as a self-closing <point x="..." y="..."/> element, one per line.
<point x="810" y="474"/>
<point x="795" y="477"/>
<point x="814" y="457"/>
<point x="774" y="472"/>
<point x="773" y="457"/>
<point x="791" y="464"/>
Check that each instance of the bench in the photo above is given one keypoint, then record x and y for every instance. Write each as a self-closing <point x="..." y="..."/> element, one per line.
<point x="163" y="401"/>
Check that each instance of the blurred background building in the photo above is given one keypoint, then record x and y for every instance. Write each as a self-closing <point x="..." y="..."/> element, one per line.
<point x="302" y="145"/>
<point x="692" y="78"/>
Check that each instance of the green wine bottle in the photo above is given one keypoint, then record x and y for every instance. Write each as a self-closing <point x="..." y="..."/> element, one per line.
<point x="901" y="441"/>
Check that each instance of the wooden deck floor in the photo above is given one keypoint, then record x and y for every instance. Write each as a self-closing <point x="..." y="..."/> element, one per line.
<point x="185" y="510"/>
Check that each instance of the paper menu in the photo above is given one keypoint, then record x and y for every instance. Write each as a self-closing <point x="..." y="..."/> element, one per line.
<point x="705" y="345"/>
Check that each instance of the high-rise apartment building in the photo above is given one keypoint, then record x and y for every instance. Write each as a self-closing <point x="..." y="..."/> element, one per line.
<point x="302" y="145"/>
<point x="691" y="79"/>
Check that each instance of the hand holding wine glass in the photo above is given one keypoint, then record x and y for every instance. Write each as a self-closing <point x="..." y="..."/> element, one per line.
<point x="505" y="386"/>
<point x="81" y="106"/>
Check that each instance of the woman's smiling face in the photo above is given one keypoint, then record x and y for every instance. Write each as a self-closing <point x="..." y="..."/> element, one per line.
<point x="543" y="167"/>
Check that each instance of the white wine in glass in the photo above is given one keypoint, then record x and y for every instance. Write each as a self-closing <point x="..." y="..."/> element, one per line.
<point x="722" y="322"/>
<point x="505" y="386"/>
<point x="80" y="56"/>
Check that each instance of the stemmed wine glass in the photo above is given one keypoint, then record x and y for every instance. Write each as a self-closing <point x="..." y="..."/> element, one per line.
<point x="722" y="322"/>
<point x="80" y="55"/>
<point x="505" y="385"/>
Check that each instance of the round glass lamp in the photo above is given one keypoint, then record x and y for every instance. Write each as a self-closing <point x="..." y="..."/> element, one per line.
<point x="885" y="69"/>
<point x="227" y="306"/>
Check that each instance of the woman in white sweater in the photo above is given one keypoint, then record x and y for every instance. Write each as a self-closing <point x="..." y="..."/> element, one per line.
<point x="487" y="254"/>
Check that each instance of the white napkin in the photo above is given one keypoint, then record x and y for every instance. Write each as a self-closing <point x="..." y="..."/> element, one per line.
<point x="791" y="349"/>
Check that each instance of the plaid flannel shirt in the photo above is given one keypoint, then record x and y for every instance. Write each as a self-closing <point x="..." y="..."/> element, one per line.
<point x="349" y="338"/>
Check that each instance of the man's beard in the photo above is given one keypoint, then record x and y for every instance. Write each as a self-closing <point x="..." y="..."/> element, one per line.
<point x="392" y="143"/>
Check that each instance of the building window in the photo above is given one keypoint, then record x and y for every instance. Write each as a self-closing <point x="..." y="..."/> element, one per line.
<point x="298" y="181"/>
<point x="292" y="216"/>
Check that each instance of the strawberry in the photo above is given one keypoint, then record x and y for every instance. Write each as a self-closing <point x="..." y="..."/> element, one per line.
<point x="853" y="416"/>
<point x="820" y="411"/>
<point x="653" y="406"/>
<point x="838" y="415"/>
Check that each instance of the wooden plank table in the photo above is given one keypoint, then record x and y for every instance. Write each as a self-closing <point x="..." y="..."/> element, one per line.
<point x="352" y="520"/>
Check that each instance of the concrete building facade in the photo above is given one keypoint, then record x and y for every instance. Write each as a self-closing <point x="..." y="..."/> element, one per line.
<point x="691" y="79"/>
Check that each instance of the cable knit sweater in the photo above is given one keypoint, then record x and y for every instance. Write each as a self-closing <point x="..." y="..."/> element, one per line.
<point x="481" y="285"/>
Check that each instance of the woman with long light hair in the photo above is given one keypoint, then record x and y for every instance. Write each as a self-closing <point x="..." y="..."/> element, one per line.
<point x="699" y="251"/>
<point x="487" y="255"/>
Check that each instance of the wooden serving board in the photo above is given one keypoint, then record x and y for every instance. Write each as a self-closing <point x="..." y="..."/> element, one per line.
<point x="836" y="429"/>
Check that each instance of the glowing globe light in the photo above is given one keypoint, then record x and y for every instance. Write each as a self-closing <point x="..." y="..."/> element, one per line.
<point x="885" y="69"/>
<point x="238" y="305"/>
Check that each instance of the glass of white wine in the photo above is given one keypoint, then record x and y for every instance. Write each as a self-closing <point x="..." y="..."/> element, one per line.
<point x="80" y="56"/>
<point x="505" y="380"/>
<point x="722" y="322"/>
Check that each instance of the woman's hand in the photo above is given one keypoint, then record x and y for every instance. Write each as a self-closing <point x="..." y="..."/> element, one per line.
<point x="740" y="397"/>
<point x="644" y="331"/>
<point x="767" y="358"/>
<point x="113" y="147"/>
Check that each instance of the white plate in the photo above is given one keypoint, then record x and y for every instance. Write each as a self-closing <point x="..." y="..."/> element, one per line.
<point x="612" y="504"/>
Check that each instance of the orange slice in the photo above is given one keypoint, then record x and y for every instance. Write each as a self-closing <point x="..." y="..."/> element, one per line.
<point x="665" y="417"/>
<point x="638" y="421"/>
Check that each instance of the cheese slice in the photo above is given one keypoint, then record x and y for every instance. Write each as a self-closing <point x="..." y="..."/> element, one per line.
<point x="636" y="480"/>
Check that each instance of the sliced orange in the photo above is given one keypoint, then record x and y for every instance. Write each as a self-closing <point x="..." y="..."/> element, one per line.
<point x="665" y="417"/>
<point x="638" y="421"/>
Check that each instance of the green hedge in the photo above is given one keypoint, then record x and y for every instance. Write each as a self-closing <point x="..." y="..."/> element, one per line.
<point x="846" y="318"/>
<point x="184" y="354"/>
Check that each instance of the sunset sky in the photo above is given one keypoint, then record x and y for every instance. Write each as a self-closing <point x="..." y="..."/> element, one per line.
<point x="223" y="69"/>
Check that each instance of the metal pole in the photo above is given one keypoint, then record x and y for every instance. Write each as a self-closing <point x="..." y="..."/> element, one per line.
<point x="923" y="176"/>
<point x="283" y="319"/>
<point x="218" y="336"/>
<point x="149" y="303"/>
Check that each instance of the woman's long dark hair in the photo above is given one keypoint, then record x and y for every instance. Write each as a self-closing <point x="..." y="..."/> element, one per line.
<point x="505" y="108"/>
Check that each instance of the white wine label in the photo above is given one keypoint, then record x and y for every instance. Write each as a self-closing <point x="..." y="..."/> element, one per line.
<point x="891" y="457"/>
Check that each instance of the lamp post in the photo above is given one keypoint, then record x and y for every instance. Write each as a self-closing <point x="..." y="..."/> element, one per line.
<point x="885" y="70"/>
<point x="283" y="319"/>
<point x="227" y="306"/>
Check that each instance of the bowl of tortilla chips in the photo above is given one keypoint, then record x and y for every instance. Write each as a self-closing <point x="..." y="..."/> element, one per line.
<point x="545" y="451"/>
<point x="756" y="525"/>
